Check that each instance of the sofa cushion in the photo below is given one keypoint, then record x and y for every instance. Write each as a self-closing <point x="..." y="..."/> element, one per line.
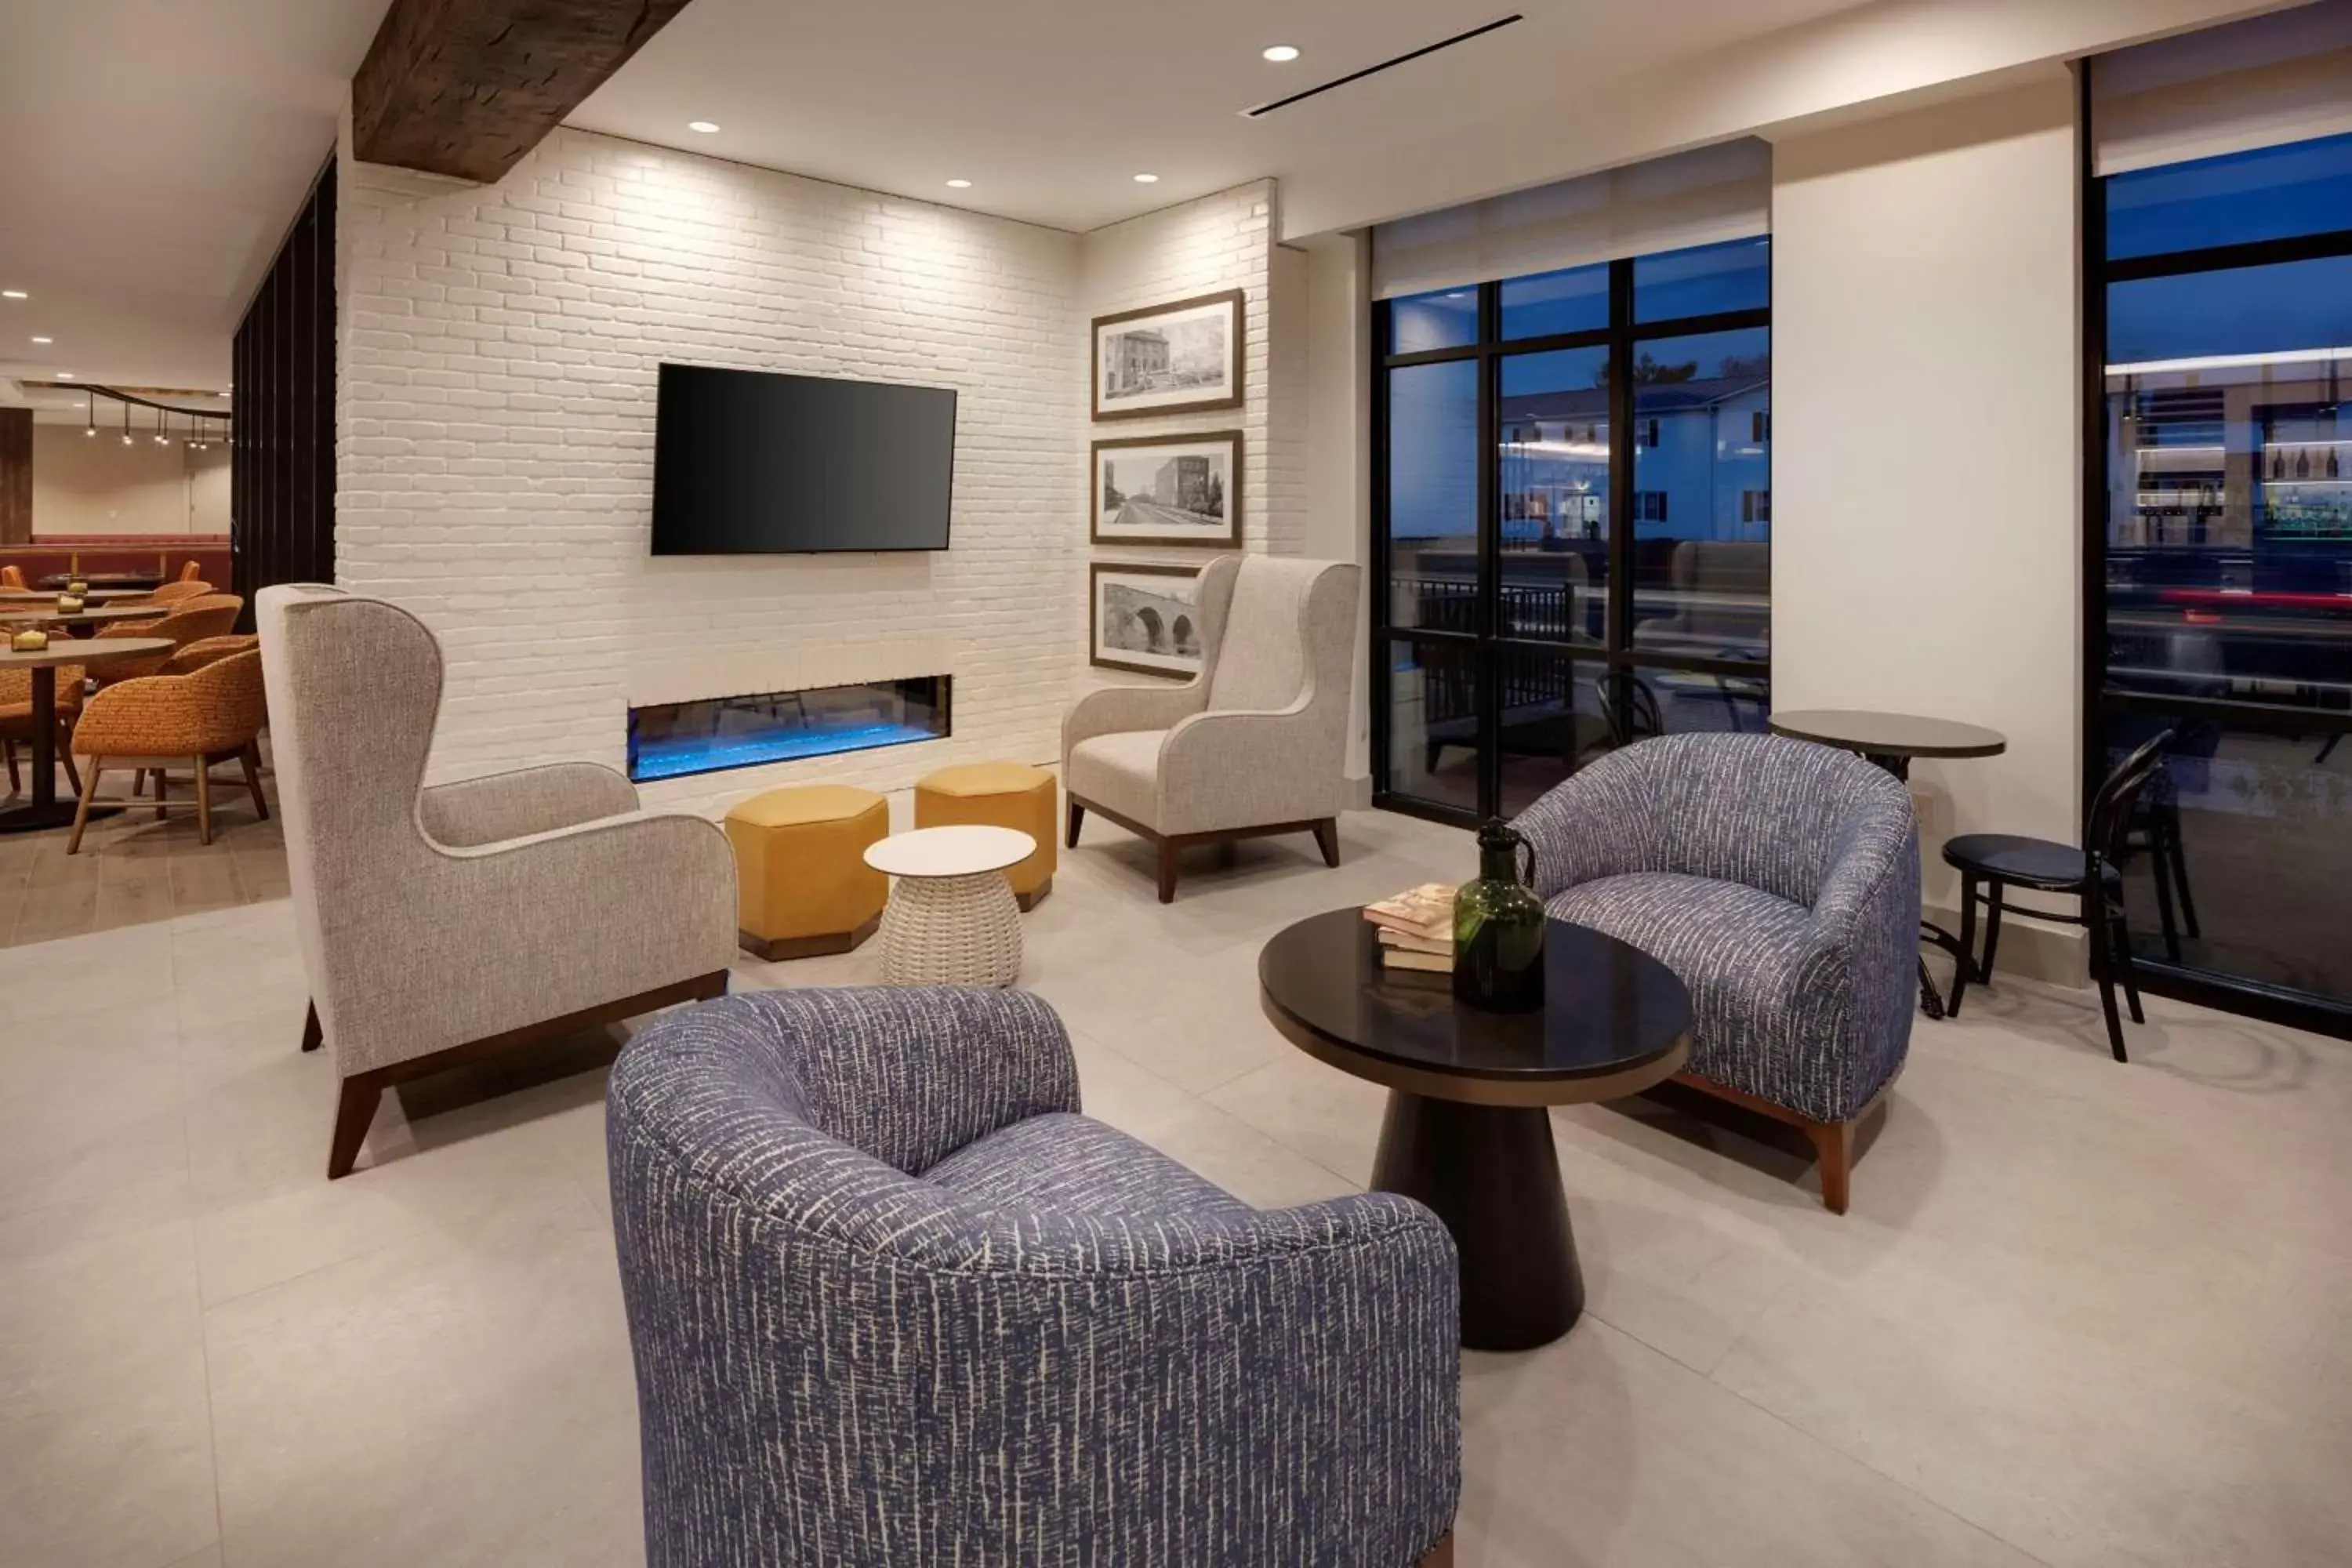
<point x="1060" y="1161"/>
<point x="1120" y="773"/>
<point x="1737" y="948"/>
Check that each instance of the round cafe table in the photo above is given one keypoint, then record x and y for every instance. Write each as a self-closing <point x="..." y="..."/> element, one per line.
<point x="951" y="918"/>
<point x="136" y="582"/>
<point x="33" y="599"/>
<point x="44" y="809"/>
<point x="1466" y="1130"/>
<point x="1891" y="741"/>
<point x="78" y="623"/>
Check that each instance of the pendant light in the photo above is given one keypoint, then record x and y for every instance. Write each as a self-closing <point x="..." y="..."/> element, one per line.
<point x="161" y="440"/>
<point x="126" y="423"/>
<point x="92" y="430"/>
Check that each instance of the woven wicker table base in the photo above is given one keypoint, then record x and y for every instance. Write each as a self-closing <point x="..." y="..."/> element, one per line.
<point x="951" y="930"/>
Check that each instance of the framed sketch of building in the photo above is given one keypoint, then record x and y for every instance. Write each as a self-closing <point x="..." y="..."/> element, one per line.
<point x="1168" y="490"/>
<point x="1145" y="618"/>
<point x="1170" y="359"/>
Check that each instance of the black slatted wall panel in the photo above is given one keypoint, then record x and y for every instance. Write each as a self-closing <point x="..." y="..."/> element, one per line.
<point x="283" y="485"/>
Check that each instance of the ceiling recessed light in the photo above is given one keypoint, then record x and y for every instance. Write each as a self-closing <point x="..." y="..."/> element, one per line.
<point x="14" y="294"/>
<point x="706" y="127"/>
<point x="45" y="340"/>
<point x="1281" y="54"/>
<point x="1147" y="179"/>
<point x="958" y="185"/>
<point x="1459" y="294"/>
<point x="65" y="375"/>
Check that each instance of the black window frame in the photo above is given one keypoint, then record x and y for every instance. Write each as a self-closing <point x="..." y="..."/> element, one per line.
<point x="1616" y="654"/>
<point x="2156" y="974"/>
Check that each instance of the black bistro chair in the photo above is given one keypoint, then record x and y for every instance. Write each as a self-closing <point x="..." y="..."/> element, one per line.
<point x="1991" y="863"/>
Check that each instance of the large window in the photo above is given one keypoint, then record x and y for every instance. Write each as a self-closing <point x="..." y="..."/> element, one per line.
<point x="2222" y="563"/>
<point x="1574" y="521"/>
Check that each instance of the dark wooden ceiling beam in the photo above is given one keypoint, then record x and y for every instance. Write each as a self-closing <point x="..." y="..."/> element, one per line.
<point x="467" y="87"/>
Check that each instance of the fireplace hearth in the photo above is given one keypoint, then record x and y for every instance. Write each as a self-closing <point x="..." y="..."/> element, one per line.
<point x="675" y="740"/>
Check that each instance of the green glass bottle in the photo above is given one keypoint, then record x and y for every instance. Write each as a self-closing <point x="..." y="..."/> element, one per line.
<point x="1498" y="927"/>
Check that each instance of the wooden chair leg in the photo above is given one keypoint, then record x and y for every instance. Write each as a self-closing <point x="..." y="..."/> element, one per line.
<point x="1833" y="1149"/>
<point x="16" y="779"/>
<point x="1167" y="871"/>
<point x="1440" y="1556"/>
<point x="251" y="759"/>
<point x="1327" y="838"/>
<point x="1963" y="970"/>
<point x="159" y="790"/>
<point x="312" y="1036"/>
<point x="204" y="802"/>
<point x="65" y="755"/>
<point x="1078" y="815"/>
<point x="81" y="806"/>
<point x="354" y="1108"/>
<point x="2103" y="971"/>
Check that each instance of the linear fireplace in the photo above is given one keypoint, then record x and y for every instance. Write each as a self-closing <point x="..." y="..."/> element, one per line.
<point x="671" y="739"/>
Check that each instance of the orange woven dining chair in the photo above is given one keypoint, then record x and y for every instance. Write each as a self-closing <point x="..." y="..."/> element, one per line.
<point x="211" y="715"/>
<point x="191" y="620"/>
<point x="12" y="577"/>
<point x="192" y="572"/>
<point x="177" y="592"/>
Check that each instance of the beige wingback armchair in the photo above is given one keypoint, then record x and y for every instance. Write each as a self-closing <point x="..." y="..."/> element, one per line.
<point x="441" y="925"/>
<point x="1254" y="744"/>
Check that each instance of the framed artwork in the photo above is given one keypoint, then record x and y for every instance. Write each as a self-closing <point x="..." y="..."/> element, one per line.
<point x="1170" y="359"/>
<point x="1145" y="618"/>
<point x="1168" y="490"/>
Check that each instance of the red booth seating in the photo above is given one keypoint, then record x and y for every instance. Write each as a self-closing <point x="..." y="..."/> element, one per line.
<point x="163" y="554"/>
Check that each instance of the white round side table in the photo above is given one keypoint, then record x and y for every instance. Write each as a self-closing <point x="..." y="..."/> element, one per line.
<point x="951" y="918"/>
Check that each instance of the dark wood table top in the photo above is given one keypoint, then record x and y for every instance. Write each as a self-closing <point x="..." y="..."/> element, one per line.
<point x="1615" y="1020"/>
<point x="30" y="599"/>
<point x="132" y="580"/>
<point x="101" y="615"/>
<point x="1889" y="735"/>
<point x="96" y="650"/>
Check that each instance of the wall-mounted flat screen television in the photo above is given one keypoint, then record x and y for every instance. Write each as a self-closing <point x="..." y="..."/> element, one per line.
<point x="747" y="462"/>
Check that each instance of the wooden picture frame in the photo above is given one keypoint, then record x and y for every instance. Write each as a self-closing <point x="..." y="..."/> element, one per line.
<point x="1188" y="509"/>
<point x="1184" y="357"/>
<point x="1135" y="637"/>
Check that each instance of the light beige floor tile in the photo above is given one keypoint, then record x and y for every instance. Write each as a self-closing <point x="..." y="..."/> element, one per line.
<point x="1598" y="1450"/>
<point x="455" y="1400"/>
<point x="105" y="1434"/>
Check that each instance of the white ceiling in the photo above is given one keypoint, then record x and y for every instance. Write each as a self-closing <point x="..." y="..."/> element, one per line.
<point x="1051" y="107"/>
<point x="156" y="150"/>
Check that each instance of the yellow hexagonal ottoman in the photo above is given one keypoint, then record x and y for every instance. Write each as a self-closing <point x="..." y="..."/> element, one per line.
<point x="802" y="884"/>
<point x="997" y="794"/>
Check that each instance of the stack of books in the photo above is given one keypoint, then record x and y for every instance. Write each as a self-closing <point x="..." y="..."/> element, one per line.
<point x="1416" y="929"/>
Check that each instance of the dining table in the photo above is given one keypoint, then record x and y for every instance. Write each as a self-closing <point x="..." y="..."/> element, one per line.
<point x="43" y="809"/>
<point x="135" y="581"/>
<point x="32" y="598"/>
<point x="1892" y="742"/>
<point x="80" y="623"/>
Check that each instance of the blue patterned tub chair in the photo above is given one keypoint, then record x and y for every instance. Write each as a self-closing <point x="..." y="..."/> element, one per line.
<point x="894" y="1301"/>
<point x="1779" y="879"/>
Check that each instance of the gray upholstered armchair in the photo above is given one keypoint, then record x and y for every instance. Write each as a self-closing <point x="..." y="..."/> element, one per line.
<point x="1781" y="881"/>
<point x="1254" y="744"/>
<point x="445" y="923"/>
<point x="893" y="1300"/>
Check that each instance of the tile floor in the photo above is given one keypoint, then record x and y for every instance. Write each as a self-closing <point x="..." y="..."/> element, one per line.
<point x="2081" y="1313"/>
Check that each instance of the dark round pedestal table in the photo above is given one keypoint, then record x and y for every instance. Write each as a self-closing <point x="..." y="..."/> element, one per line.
<point x="43" y="809"/>
<point x="1466" y="1132"/>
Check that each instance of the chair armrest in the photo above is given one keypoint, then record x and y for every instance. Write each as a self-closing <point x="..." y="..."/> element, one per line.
<point x="1115" y="710"/>
<point x="1241" y="769"/>
<point x="1854" y="992"/>
<point x="1598" y="823"/>
<point x="908" y="1075"/>
<point x="517" y="805"/>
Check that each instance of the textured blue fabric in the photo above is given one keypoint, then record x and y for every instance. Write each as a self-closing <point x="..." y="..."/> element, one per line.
<point x="1778" y="880"/>
<point x="842" y="1361"/>
<point x="1063" y="1161"/>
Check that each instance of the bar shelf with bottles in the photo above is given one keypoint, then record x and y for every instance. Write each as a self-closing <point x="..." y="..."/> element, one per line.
<point x="2307" y="489"/>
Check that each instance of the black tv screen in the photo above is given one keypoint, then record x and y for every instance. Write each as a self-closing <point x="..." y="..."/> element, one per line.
<point x="747" y="462"/>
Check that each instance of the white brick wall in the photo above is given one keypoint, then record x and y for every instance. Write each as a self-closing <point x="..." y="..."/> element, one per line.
<point x="494" y="426"/>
